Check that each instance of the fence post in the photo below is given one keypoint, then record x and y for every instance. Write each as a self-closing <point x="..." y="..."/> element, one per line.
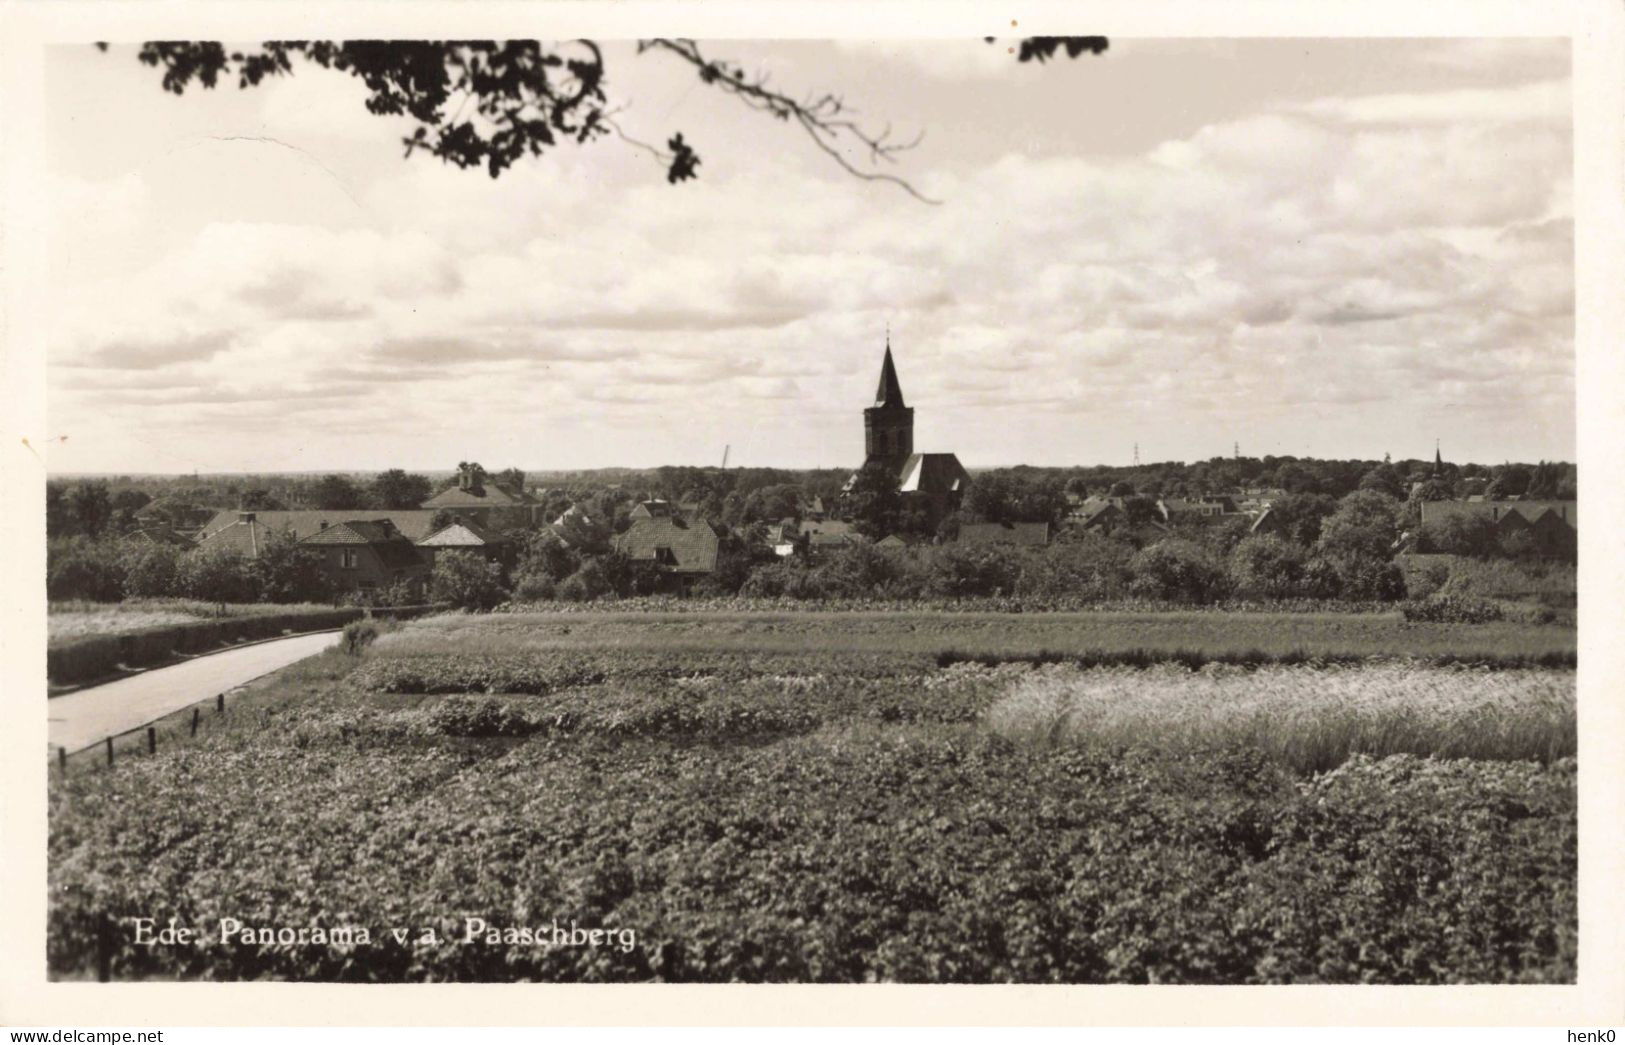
<point x="109" y="752"/>
<point x="152" y="740"/>
<point x="62" y="761"/>
<point x="220" y="703"/>
<point x="196" y="714"/>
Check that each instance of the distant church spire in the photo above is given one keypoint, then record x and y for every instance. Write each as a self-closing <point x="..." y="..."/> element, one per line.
<point x="889" y="394"/>
<point x="1438" y="461"/>
<point x="888" y="426"/>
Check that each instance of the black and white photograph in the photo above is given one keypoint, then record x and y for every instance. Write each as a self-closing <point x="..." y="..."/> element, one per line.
<point x="980" y="509"/>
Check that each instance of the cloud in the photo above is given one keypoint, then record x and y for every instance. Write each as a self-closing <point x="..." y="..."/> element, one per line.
<point x="947" y="59"/>
<point x="1352" y="250"/>
<point x="676" y="319"/>
<point x="143" y="353"/>
<point x="1545" y="101"/>
<point x="296" y="294"/>
<point x="451" y="350"/>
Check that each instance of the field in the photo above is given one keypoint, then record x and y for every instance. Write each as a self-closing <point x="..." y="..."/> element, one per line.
<point x="71" y="620"/>
<point x="1168" y="798"/>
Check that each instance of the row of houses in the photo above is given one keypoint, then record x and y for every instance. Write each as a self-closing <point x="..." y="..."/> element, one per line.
<point x="1551" y="529"/>
<point x="360" y="550"/>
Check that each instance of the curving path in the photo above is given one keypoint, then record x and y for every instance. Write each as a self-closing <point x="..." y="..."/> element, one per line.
<point x="84" y="717"/>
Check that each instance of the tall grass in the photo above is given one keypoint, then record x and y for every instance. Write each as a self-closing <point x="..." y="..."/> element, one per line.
<point x="77" y="618"/>
<point x="1309" y="719"/>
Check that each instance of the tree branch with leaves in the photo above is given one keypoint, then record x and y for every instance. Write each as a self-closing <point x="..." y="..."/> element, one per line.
<point x="529" y="96"/>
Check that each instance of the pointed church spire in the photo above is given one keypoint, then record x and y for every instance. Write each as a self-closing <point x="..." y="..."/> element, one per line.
<point x="889" y="394"/>
<point x="1438" y="461"/>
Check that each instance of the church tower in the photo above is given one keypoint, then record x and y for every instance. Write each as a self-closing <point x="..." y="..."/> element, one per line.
<point x="888" y="426"/>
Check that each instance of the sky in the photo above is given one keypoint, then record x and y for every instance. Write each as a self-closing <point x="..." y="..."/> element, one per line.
<point x="1328" y="248"/>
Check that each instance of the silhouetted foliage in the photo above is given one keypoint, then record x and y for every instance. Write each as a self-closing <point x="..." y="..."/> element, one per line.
<point x="260" y="500"/>
<point x="466" y="580"/>
<point x="1043" y="48"/>
<point x="528" y="96"/>
<point x="873" y="504"/>
<point x="395" y="489"/>
<point x="335" y="492"/>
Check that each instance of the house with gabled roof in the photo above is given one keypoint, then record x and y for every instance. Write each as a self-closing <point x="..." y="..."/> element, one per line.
<point x="160" y="535"/>
<point x="415" y="523"/>
<point x="363" y="554"/>
<point x="241" y="533"/>
<point x="474" y="496"/>
<point x="656" y="508"/>
<point x="785" y="538"/>
<point x="821" y="537"/>
<point x="467" y="536"/>
<point x="683" y="549"/>
<point x="1552" y="527"/>
<point x="1101" y="514"/>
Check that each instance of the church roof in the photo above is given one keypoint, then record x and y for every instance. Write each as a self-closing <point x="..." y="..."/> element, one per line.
<point x="889" y="394"/>
<point x="932" y="474"/>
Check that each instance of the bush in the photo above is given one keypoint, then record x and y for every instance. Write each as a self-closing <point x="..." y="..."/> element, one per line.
<point x="1320" y="580"/>
<point x="285" y="571"/>
<point x="1426" y="577"/>
<point x="1178" y="571"/>
<point x="1266" y="567"/>
<point x="544" y="561"/>
<point x="1458" y="533"/>
<point x="83" y="568"/>
<point x="1366" y="525"/>
<point x="626" y="576"/>
<point x="956" y="571"/>
<point x="151" y="570"/>
<point x="862" y="569"/>
<point x="788" y="578"/>
<point x="1371" y="579"/>
<point x="96" y="656"/>
<point x="534" y="587"/>
<point x="1453" y="609"/>
<point x="1517" y="544"/>
<point x="82" y="660"/>
<point x="1085" y="566"/>
<point x="358" y="635"/>
<point x="217" y="575"/>
<point x="466" y="580"/>
<point x="585" y="584"/>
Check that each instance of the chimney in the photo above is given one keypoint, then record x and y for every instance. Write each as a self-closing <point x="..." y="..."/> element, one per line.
<point x="246" y="517"/>
<point x="465" y="477"/>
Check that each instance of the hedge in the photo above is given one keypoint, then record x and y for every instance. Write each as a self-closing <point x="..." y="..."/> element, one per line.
<point x="96" y="656"/>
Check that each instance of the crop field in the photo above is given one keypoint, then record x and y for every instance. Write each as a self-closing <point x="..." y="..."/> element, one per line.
<point x="1194" y="636"/>
<point x="1088" y="798"/>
